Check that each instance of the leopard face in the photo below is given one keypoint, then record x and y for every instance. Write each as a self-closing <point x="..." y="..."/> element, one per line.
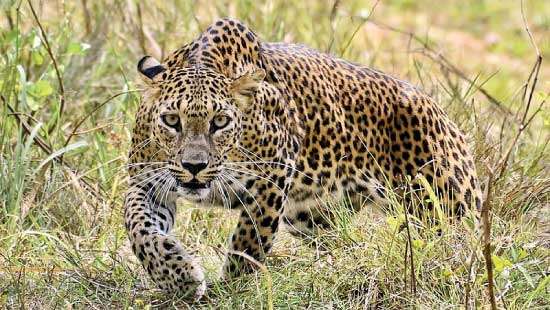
<point x="195" y="123"/>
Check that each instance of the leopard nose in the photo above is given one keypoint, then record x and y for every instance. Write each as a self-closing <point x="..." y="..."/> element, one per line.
<point x="194" y="167"/>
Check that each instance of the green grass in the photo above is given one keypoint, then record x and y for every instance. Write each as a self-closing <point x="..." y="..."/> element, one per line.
<point x="62" y="238"/>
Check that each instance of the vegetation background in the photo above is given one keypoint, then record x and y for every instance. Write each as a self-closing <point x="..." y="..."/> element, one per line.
<point x="68" y="97"/>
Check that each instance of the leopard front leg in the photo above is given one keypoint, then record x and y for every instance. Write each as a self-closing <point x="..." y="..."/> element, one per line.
<point x="148" y="222"/>
<point x="258" y="224"/>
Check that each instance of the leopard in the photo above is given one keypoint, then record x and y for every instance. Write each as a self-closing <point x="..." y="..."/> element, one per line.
<point x="272" y="130"/>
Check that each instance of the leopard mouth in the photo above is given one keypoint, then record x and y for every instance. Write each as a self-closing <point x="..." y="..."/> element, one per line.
<point x="193" y="184"/>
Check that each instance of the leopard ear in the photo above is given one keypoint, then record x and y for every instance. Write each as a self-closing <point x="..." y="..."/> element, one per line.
<point x="245" y="86"/>
<point x="150" y="69"/>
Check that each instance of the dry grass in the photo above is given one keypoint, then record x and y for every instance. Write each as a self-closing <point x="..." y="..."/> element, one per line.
<point x="68" y="103"/>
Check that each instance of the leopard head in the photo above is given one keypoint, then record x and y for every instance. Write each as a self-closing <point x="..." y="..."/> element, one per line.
<point x="196" y="120"/>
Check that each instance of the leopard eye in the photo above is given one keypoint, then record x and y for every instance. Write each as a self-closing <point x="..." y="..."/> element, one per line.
<point x="171" y="120"/>
<point x="220" y="122"/>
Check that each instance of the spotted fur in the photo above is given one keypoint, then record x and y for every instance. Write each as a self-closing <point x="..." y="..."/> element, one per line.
<point x="302" y="126"/>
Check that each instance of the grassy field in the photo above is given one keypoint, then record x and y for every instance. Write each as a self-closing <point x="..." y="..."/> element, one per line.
<point x="69" y="92"/>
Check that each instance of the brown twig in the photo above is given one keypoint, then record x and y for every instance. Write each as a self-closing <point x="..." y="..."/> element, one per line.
<point x="528" y="92"/>
<point x="332" y="19"/>
<point x="471" y="279"/>
<point x="436" y="56"/>
<point x="363" y="21"/>
<point x="99" y="106"/>
<point x="411" y="257"/>
<point x="9" y="18"/>
<point x="139" y="28"/>
<point x="44" y="39"/>
<point x="502" y="165"/>
<point x="87" y="18"/>
<point x="28" y="116"/>
<point x="486" y="224"/>
<point x="37" y="140"/>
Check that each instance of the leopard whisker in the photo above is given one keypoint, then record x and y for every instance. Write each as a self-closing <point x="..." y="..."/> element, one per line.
<point x="246" y="209"/>
<point x="147" y="172"/>
<point x="224" y="197"/>
<point x="262" y="161"/>
<point x="256" y="176"/>
<point x="248" y="212"/>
